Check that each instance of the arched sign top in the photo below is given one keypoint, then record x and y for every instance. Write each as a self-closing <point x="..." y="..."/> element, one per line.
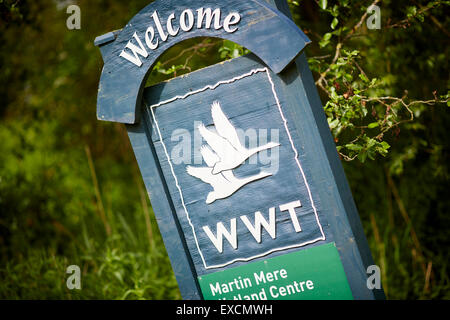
<point x="129" y="54"/>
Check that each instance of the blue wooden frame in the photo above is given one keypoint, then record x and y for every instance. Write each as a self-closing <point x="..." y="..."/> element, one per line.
<point x="306" y="113"/>
<point x="259" y="21"/>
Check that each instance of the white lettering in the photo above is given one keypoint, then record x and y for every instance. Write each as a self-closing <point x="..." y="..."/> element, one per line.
<point x="291" y="289"/>
<point x="135" y="50"/>
<point x="159" y="27"/>
<point x="170" y="28"/>
<point x="206" y="18"/>
<point x="255" y="230"/>
<point x="187" y="26"/>
<point x="231" y="236"/>
<point x="149" y="39"/>
<point x="232" y="19"/>
<point x="269" y="276"/>
<point x="291" y="208"/>
<point x="208" y="14"/>
<point x="272" y="291"/>
<point x="215" y="289"/>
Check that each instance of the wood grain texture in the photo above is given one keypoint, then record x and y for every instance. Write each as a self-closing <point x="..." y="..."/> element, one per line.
<point x="262" y="29"/>
<point x="251" y="106"/>
<point x="337" y="211"/>
<point x="312" y="137"/>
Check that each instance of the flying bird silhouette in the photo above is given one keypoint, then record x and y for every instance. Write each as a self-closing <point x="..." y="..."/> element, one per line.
<point x="226" y="143"/>
<point x="224" y="183"/>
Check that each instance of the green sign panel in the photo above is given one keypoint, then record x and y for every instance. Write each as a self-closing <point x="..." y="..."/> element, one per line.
<point x="315" y="273"/>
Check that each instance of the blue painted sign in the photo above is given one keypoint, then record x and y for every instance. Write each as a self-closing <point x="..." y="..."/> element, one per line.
<point x="260" y="200"/>
<point x="237" y="158"/>
<point x="251" y="23"/>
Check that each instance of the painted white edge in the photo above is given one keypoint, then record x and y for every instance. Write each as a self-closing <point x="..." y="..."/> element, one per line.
<point x="212" y="87"/>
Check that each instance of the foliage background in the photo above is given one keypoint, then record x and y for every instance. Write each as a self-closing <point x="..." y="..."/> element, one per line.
<point x="71" y="192"/>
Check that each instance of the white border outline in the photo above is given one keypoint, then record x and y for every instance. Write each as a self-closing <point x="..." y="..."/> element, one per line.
<point x="212" y="87"/>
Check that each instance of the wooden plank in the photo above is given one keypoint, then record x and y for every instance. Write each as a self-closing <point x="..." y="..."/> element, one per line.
<point x="250" y="104"/>
<point x="163" y="208"/>
<point x="333" y="199"/>
<point x="308" y="168"/>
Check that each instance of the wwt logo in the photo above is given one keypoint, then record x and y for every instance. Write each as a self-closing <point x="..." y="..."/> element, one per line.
<point x="224" y="153"/>
<point x="234" y="171"/>
<point x="188" y="146"/>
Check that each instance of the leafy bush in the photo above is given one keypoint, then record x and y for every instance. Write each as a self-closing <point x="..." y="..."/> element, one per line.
<point x="71" y="193"/>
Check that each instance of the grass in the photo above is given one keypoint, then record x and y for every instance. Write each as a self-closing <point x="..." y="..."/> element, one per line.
<point x="102" y="222"/>
<point x="413" y="262"/>
<point x="63" y="206"/>
<point x="129" y="263"/>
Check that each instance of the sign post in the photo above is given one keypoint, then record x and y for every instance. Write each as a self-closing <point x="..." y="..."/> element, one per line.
<point x="238" y="160"/>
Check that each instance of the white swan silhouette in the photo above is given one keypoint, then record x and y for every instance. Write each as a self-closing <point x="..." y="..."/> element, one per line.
<point x="225" y="142"/>
<point x="224" y="183"/>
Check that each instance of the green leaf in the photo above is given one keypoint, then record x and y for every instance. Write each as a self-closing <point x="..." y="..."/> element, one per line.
<point x="362" y="157"/>
<point x="326" y="39"/>
<point x="353" y="147"/>
<point x="385" y="145"/>
<point x="373" y="125"/>
<point x="323" y="4"/>
<point x="411" y="11"/>
<point x="333" y="124"/>
<point x="334" y="23"/>
<point x="363" y="77"/>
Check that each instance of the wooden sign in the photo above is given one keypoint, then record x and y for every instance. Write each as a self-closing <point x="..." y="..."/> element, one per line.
<point x="238" y="160"/>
